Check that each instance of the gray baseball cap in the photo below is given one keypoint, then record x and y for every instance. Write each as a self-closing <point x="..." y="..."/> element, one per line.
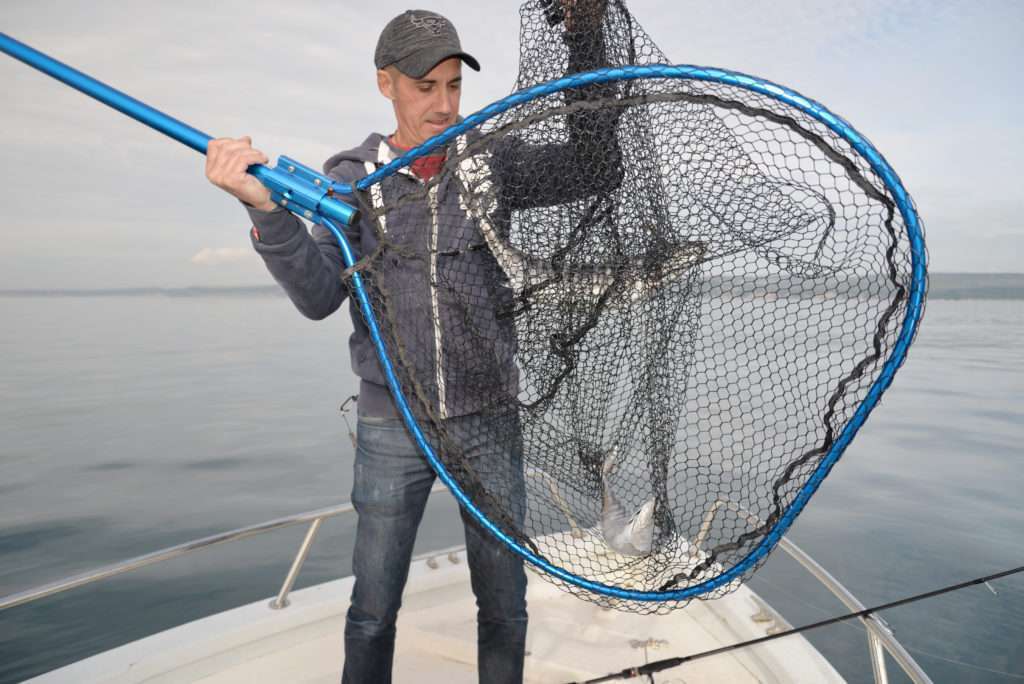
<point x="416" y="41"/>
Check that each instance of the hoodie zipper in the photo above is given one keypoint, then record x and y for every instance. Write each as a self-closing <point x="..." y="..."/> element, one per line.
<point x="435" y="305"/>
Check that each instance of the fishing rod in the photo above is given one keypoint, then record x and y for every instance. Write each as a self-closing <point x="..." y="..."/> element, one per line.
<point x="294" y="186"/>
<point x="648" y="669"/>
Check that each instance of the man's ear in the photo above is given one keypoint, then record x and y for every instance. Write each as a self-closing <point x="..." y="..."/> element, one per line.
<point x="385" y="83"/>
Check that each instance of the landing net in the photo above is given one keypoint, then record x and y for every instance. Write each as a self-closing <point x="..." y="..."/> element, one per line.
<point x="633" y="315"/>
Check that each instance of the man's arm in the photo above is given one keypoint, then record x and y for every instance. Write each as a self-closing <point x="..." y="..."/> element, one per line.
<point x="589" y="161"/>
<point x="308" y="267"/>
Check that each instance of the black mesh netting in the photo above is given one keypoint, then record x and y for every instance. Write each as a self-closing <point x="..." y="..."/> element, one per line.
<point x="632" y="318"/>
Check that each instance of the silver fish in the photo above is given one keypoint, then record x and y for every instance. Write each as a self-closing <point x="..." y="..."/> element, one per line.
<point x="629" y="535"/>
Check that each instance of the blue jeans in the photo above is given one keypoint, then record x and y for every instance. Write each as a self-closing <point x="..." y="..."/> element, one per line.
<point x="392" y="482"/>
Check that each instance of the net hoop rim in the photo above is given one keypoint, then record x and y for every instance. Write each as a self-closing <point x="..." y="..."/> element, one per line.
<point x="812" y="108"/>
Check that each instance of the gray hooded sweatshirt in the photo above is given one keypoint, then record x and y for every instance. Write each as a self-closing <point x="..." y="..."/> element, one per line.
<point x="457" y="374"/>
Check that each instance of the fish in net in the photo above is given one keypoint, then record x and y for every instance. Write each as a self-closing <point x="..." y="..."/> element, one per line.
<point x="642" y="309"/>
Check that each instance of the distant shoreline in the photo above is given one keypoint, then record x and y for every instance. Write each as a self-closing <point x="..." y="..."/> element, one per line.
<point x="233" y="291"/>
<point x="941" y="286"/>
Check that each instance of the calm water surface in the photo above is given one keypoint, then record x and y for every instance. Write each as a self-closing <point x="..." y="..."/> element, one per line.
<point x="133" y="423"/>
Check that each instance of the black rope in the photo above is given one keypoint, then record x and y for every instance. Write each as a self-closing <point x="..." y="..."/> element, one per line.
<point x="667" y="663"/>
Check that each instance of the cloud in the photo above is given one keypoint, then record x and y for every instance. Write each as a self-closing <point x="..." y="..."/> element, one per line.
<point x="925" y="80"/>
<point x="215" y="256"/>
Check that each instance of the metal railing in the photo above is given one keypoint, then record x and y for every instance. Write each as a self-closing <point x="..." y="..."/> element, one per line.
<point x="880" y="637"/>
<point x="315" y="518"/>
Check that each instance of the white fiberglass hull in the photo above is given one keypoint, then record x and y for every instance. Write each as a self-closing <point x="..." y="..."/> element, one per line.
<point x="568" y="639"/>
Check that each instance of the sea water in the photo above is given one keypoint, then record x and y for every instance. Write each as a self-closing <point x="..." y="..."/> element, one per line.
<point x="131" y="421"/>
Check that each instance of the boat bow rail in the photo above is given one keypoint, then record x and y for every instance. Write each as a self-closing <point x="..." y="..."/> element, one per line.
<point x="880" y="638"/>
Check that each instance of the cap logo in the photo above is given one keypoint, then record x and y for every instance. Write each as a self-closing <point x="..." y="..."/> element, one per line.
<point x="435" y="25"/>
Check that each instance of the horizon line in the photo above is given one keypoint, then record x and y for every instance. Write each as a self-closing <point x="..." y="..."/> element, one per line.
<point x="266" y="288"/>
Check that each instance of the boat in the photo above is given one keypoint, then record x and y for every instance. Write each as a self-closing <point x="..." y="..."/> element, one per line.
<point x="296" y="636"/>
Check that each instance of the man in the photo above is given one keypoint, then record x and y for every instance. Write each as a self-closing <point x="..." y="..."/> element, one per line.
<point x="419" y="69"/>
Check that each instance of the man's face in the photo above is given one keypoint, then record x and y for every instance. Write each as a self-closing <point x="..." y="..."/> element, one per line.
<point x="423" y="106"/>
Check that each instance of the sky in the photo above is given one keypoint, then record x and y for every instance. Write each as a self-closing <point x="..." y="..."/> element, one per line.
<point x="93" y="199"/>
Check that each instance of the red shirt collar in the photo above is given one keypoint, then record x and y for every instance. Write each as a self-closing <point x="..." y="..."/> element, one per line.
<point x="425" y="167"/>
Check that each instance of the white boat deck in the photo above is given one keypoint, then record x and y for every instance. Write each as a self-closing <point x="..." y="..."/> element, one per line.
<point x="568" y="640"/>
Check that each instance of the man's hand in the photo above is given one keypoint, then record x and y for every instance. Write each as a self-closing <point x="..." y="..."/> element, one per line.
<point x="226" y="162"/>
<point x="583" y="15"/>
<point x="577" y="15"/>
